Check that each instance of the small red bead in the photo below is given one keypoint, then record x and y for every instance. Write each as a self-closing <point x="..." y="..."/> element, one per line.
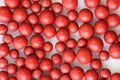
<point x="3" y="75"/>
<point x="103" y="55"/>
<point x="40" y="53"/>
<point x="37" y="73"/>
<point x="3" y="62"/>
<point x="55" y="73"/>
<point x="38" y="29"/>
<point x="105" y="73"/>
<point x="92" y="3"/>
<point x="56" y="58"/>
<point x="7" y="38"/>
<point x="82" y="42"/>
<point x="60" y="46"/>
<point x="72" y="15"/>
<point x="20" y="61"/>
<point x="28" y="50"/>
<point x="35" y="7"/>
<point x="12" y="3"/>
<point x="57" y="7"/>
<point x="11" y="68"/>
<point x="26" y="3"/>
<point x="4" y="50"/>
<point x="65" y="67"/>
<point x="115" y="76"/>
<point x="73" y="27"/>
<point x="47" y="47"/>
<point x="95" y="64"/>
<point x="46" y="3"/>
<point x="12" y="25"/>
<point x="71" y="43"/>
<point x="14" y="54"/>
<point x="3" y="29"/>
<point x="113" y="4"/>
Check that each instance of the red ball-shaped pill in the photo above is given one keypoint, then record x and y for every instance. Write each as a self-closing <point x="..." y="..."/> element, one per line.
<point x="38" y="29"/>
<point x="57" y="7"/>
<point x="105" y="73"/>
<point x="12" y="3"/>
<point x="35" y="7"/>
<point x="113" y="4"/>
<point x="4" y="50"/>
<point x="84" y="55"/>
<point x="14" y="53"/>
<point x="45" y="77"/>
<point x="103" y="55"/>
<point x="73" y="27"/>
<point x="20" y="42"/>
<point x="36" y="41"/>
<point x="5" y="14"/>
<point x="19" y="14"/>
<point x="3" y="62"/>
<point x="68" y="56"/>
<point x="40" y="53"/>
<point x="31" y="62"/>
<point x="65" y="67"/>
<point x="56" y="58"/>
<point x="7" y="38"/>
<point x="85" y="15"/>
<point x="3" y="75"/>
<point x="20" y="61"/>
<point x="13" y="25"/>
<point x="62" y="34"/>
<point x="72" y="15"/>
<point x="96" y="64"/>
<point x="60" y="46"/>
<point x="28" y="50"/>
<point x="71" y="43"/>
<point x="23" y="74"/>
<point x="70" y="4"/>
<point x="86" y="31"/>
<point x="115" y="76"/>
<point x="55" y="73"/>
<point x="92" y="3"/>
<point x="26" y="3"/>
<point x="11" y="69"/>
<point x="95" y="44"/>
<point x="76" y="73"/>
<point x="82" y="42"/>
<point x="37" y="73"/>
<point x="46" y="17"/>
<point x="101" y="12"/>
<point x="47" y="47"/>
<point x="46" y="3"/>
<point x="3" y="29"/>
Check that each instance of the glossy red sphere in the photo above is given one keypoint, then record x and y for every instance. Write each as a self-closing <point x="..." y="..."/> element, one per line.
<point x="19" y="14"/>
<point x="72" y="15"/>
<point x="57" y="7"/>
<point x="5" y="14"/>
<point x="92" y="3"/>
<point x="73" y="27"/>
<point x="36" y="41"/>
<point x="60" y="46"/>
<point x="65" y="68"/>
<point x="95" y="44"/>
<point x="46" y="17"/>
<point x="3" y="62"/>
<point x="82" y="42"/>
<point x="76" y="73"/>
<point x="26" y="3"/>
<point x="113" y="4"/>
<point x="4" y="50"/>
<point x="11" y="68"/>
<point x="28" y="50"/>
<point x="62" y="34"/>
<point x="23" y="74"/>
<point x="7" y="38"/>
<point x="14" y="53"/>
<point x="40" y="53"/>
<point x="115" y="76"/>
<point x="86" y="31"/>
<point x="56" y="58"/>
<point x="12" y="25"/>
<point x="12" y="3"/>
<point x="70" y="4"/>
<point x="84" y="55"/>
<point x="105" y="73"/>
<point x="96" y="64"/>
<point x="37" y="73"/>
<point x="46" y="64"/>
<point x="35" y="7"/>
<point x="3" y="75"/>
<point x="20" y="61"/>
<point x="20" y="42"/>
<point x="46" y="3"/>
<point x="101" y="12"/>
<point x="55" y="73"/>
<point x="71" y="43"/>
<point x="31" y="62"/>
<point x="85" y="15"/>
<point x="47" y="47"/>
<point x="3" y="29"/>
<point x="103" y="55"/>
<point x="38" y="28"/>
<point x="65" y="77"/>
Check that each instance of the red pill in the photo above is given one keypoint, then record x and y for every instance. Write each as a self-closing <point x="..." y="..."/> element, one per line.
<point x="46" y="3"/>
<point x="62" y="34"/>
<point x="45" y="77"/>
<point x="47" y="47"/>
<point x="113" y="4"/>
<point x="36" y="41"/>
<point x="46" y="17"/>
<point x="20" y="42"/>
<point x="65" y="77"/>
<point x="35" y="7"/>
<point x="100" y="27"/>
<point x="76" y="73"/>
<point x="38" y="29"/>
<point x="28" y="50"/>
<point x="82" y="42"/>
<point x="73" y="27"/>
<point x="84" y="55"/>
<point x="49" y="31"/>
<point x="3" y="29"/>
<point x="114" y="50"/>
<point x="85" y="15"/>
<point x="115" y="76"/>
<point x="65" y="67"/>
<point x="46" y="64"/>
<point x="3" y="75"/>
<point x="101" y="12"/>
<point x="37" y="73"/>
<point x="14" y="54"/>
<point x="35" y="0"/>
<point x="11" y="68"/>
<point x="33" y="18"/>
<point x="12" y="3"/>
<point x="4" y="50"/>
<point x="103" y="55"/>
<point x="86" y="31"/>
<point x="5" y="14"/>
<point x="40" y="53"/>
<point x="57" y="7"/>
<point x="12" y="25"/>
<point x="60" y="46"/>
<point x="92" y="3"/>
<point x="12" y="78"/>
<point x="70" y="4"/>
<point x="23" y="74"/>
<point x="20" y="61"/>
<point x="61" y="21"/>
<point x="72" y="15"/>
<point x="19" y="14"/>
<point x="105" y="73"/>
<point x="113" y="20"/>
<point x="56" y="58"/>
<point x="95" y="44"/>
<point x="25" y="29"/>
<point x="7" y="38"/>
<point x="91" y="75"/>
<point x="71" y="43"/>
<point x="55" y="73"/>
<point x="95" y="64"/>
<point x="68" y="56"/>
<point x="3" y="62"/>
<point x="31" y="62"/>
<point x="110" y="37"/>
<point x="26" y="3"/>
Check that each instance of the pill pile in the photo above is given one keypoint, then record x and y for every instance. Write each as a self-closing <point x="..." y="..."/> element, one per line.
<point x="40" y="19"/>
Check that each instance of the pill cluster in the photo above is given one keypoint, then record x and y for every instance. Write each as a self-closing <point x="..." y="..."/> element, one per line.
<point x="43" y="18"/>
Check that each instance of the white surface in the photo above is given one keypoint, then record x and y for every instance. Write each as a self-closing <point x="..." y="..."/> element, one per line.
<point x="112" y="64"/>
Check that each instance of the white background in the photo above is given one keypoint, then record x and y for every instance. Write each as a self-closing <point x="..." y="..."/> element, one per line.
<point x="112" y="64"/>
